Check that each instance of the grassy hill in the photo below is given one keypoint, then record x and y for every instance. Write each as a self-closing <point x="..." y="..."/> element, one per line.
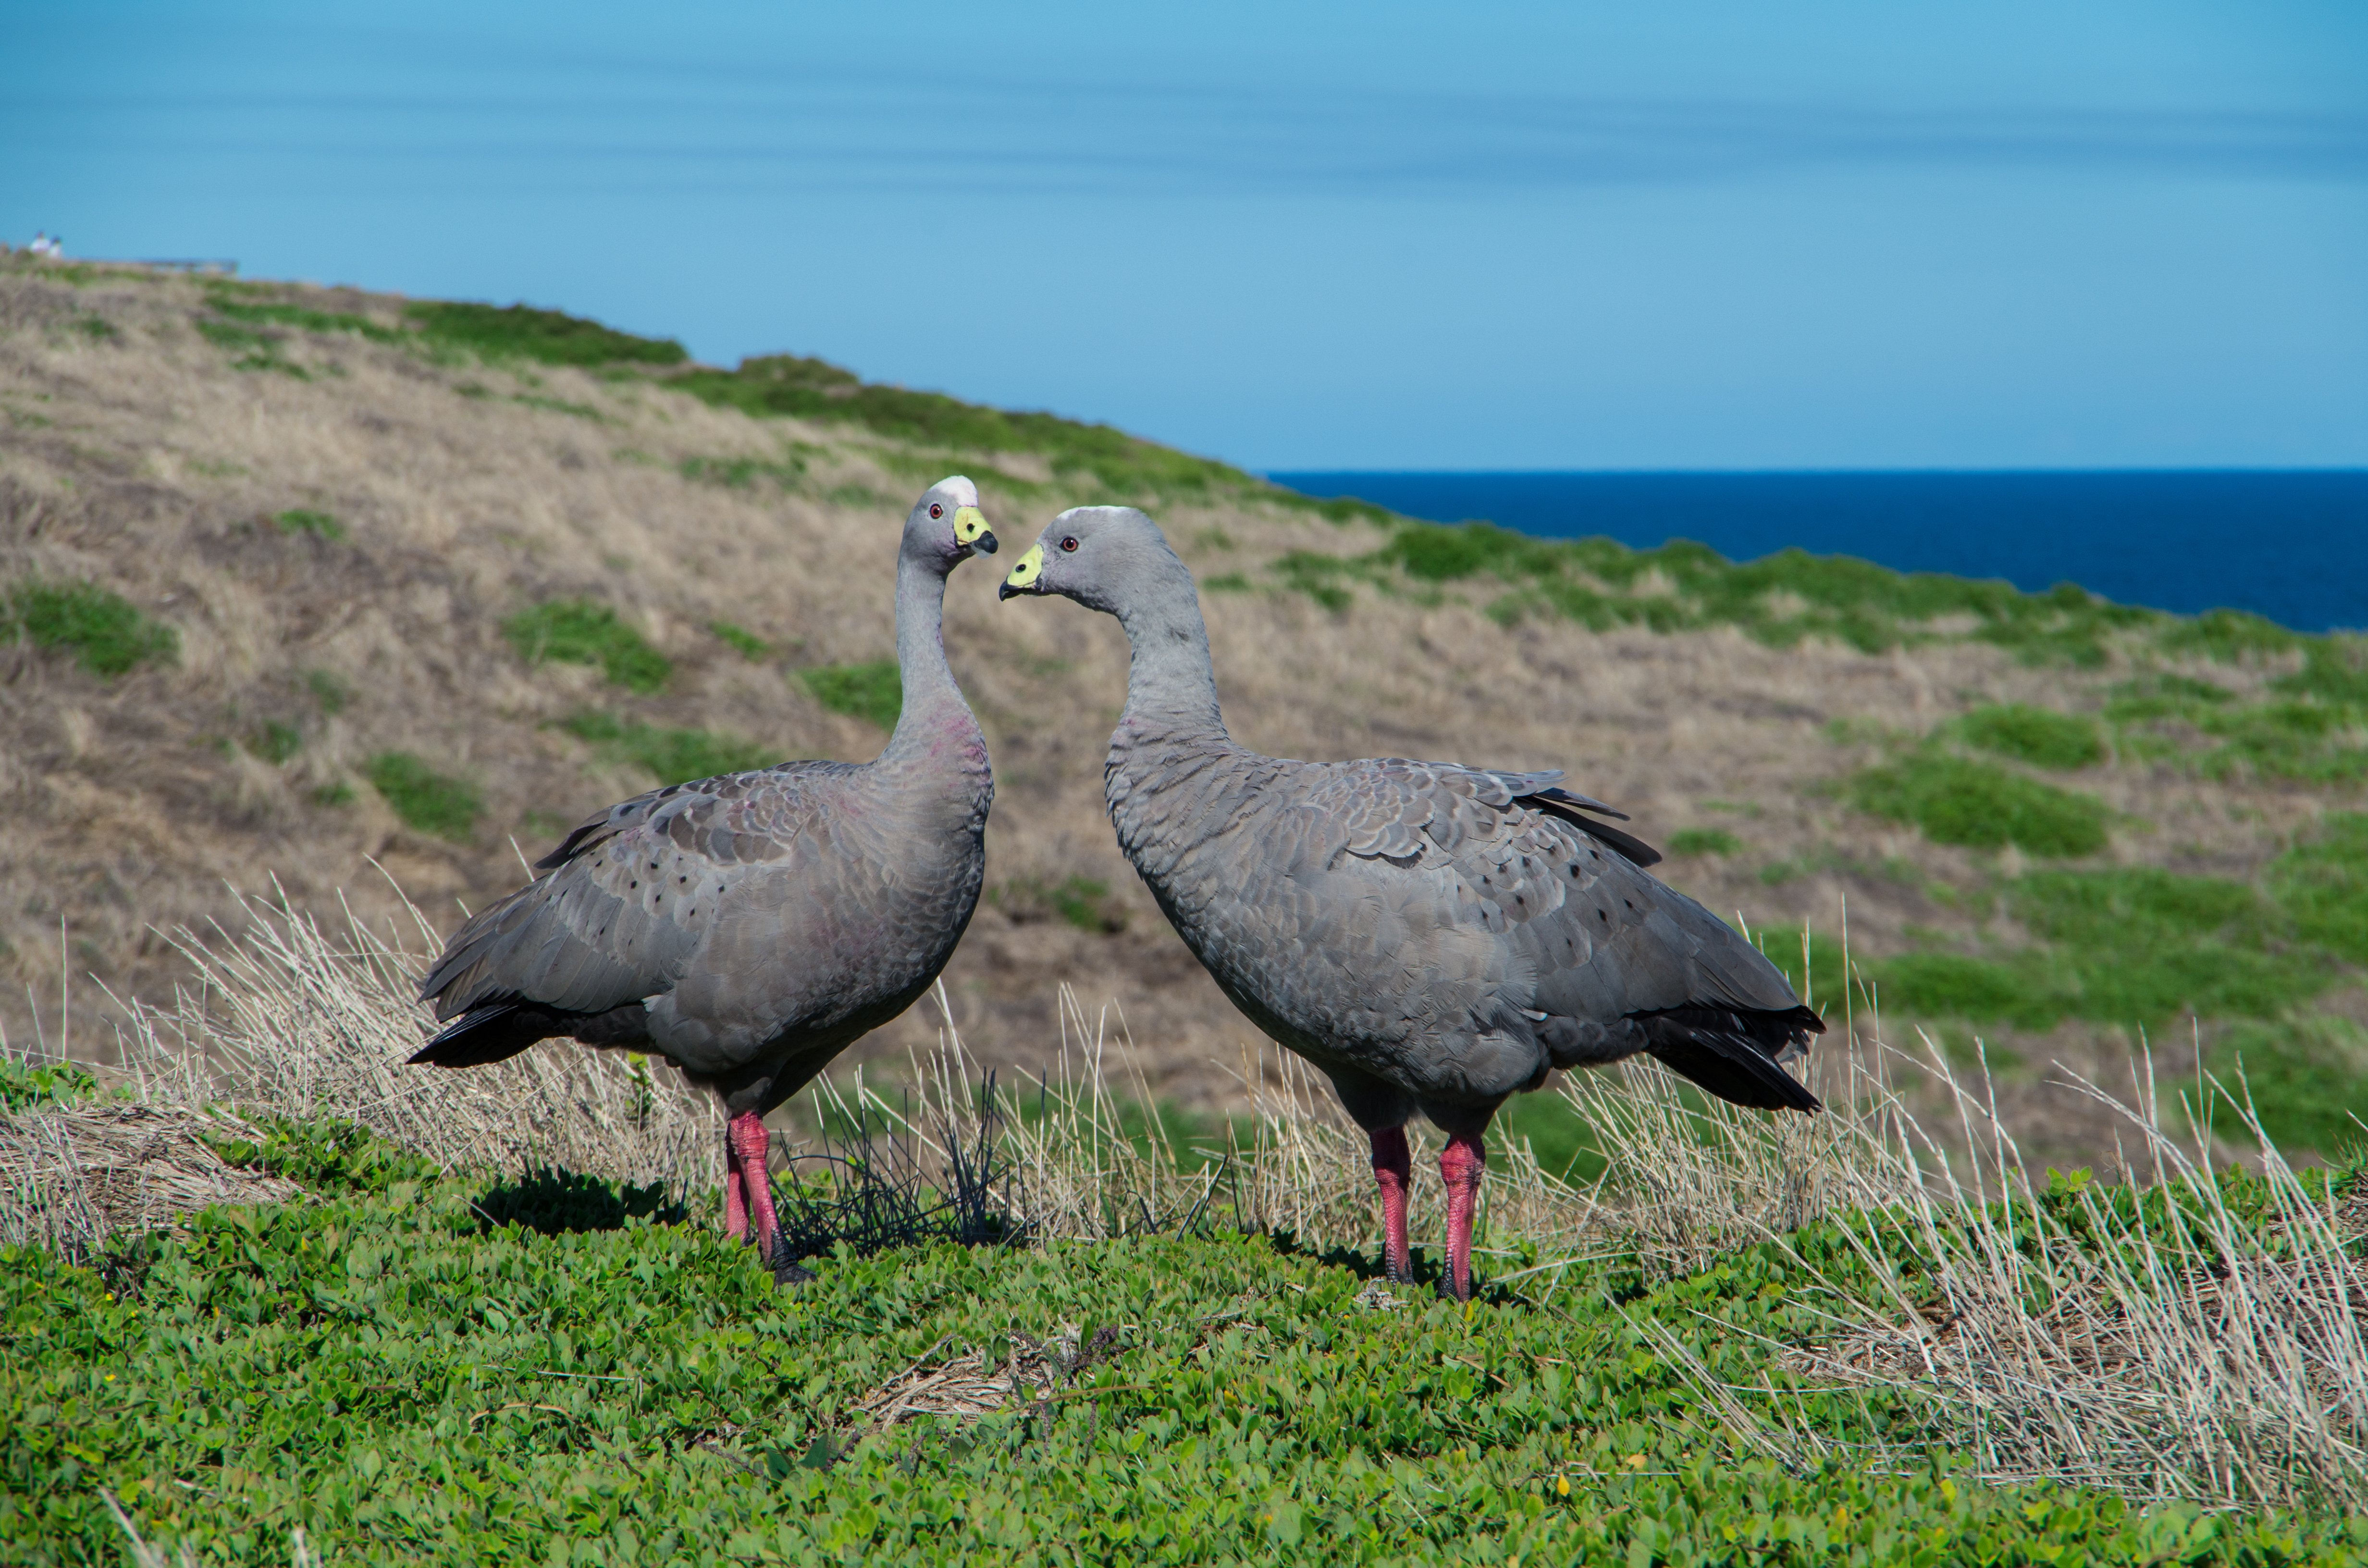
<point x="299" y="584"/>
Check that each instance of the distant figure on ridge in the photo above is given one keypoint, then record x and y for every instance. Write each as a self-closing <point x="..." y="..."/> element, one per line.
<point x="1434" y="937"/>
<point x="750" y="927"/>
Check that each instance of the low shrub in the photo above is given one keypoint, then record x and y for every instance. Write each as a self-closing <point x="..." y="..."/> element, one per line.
<point x="299" y="520"/>
<point x="1704" y="841"/>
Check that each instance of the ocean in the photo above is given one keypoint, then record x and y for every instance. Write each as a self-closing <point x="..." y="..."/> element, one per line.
<point x="2288" y="544"/>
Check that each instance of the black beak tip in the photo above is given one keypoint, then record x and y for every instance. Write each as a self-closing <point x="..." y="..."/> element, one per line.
<point x="1006" y="591"/>
<point x="984" y="544"/>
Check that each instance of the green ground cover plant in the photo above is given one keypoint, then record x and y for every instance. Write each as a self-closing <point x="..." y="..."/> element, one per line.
<point x="275" y="741"/>
<point x="581" y="631"/>
<point x="1955" y="800"/>
<point x="873" y="692"/>
<point x="673" y="756"/>
<point x="408" y="1378"/>
<point x="434" y="803"/>
<point x="740" y="473"/>
<point x="2307" y="1077"/>
<point x="107" y="633"/>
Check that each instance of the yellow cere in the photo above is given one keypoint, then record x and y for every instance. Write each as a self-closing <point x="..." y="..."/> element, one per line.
<point x="1024" y="570"/>
<point x="968" y="523"/>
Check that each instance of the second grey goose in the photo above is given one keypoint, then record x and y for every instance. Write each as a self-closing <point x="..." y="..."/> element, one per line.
<point x="749" y="927"/>
<point x="1432" y="937"/>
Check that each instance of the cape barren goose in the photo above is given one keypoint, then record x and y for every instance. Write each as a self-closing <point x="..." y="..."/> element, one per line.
<point x="751" y="926"/>
<point x="1432" y="937"/>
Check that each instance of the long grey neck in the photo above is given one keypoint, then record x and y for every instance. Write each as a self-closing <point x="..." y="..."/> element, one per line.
<point x="934" y="713"/>
<point x="1170" y="686"/>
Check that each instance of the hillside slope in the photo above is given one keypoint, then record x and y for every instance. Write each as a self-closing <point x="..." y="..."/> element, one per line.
<point x="297" y="580"/>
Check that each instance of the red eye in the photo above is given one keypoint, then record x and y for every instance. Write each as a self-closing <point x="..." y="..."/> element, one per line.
<point x="936" y="510"/>
<point x="1069" y="544"/>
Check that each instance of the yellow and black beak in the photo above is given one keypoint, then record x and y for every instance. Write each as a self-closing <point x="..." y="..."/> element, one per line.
<point x="1027" y="573"/>
<point x="969" y="528"/>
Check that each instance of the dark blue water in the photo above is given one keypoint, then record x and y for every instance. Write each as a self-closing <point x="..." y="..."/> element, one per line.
<point x="2292" y="545"/>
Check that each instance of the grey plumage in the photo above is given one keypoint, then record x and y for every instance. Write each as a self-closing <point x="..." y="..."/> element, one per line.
<point x="750" y="926"/>
<point x="1431" y="936"/>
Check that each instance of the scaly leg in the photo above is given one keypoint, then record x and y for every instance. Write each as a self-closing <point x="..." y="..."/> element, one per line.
<point x="1393" y="1170"/>
<point x="749" y="1144"/>
<point x="1460" y="1164"/>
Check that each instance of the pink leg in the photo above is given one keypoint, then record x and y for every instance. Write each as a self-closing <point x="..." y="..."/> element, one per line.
<point x="1461" y="1164"/>
<point x="735" y="1199"/>
<point x="1393" y="1169"/>
<point x="749" y="1144"/>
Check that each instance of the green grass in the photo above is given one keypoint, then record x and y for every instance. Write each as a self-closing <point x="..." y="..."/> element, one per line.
<point x="579" y="631"/>
<point x="2039" y="736"/>
<point x="320" y="524"/>
<point x="428" y="802"/>
<point x="275" y="742"/>
<point x="1704" y="841"/>
<point x="418" y="1367"/>
<point x="549" y="338"/>
<point x="740" y="473"/>
<point x="873" y="692"/>
<point x="2322" y="885"/>
<point x="302" y="317"/>
<point x="99" y="329"/>
<point x="1095" y="462"/>
<point x="107" y="635"/>
<point x="2308" y="1078"/>
<point x="672" y="755"/>
<point x="1684" y="586"/>
<point x="2130" y="946"/>
<point x="1080" y="901"/>
<point x="1954" y="800"/>
<point x="742" y="640"/>
<point x="328" y="690"/>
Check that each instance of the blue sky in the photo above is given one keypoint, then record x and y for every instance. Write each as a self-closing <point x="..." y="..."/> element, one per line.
<point x="1587" y="236"/>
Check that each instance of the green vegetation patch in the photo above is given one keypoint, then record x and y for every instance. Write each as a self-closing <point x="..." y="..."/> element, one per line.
<point x="410" y="1386"/>
<point x="549" y="338"/>
<point x="873" y="692"/>
<point x="2312" y="729"/>
<point x="2322" y="885"/>
<point x="742" y="640"/>
<point x="27" y="1086"/>
<point x="673" y="756"/>
<point x="2307" y="1079"/>
<point x="741" y="473"/>
<point x="1704" y="841"/>
<point x="300" y="520"/>
<point x="2132" y="946"/>
<point x="429" y="801"/>
<point x="559" y="1203"/>
<point x="256" y="350"/>
<point x="2039" y="736"/>
<point x="281" y="312"/>
<point x="1080" y="901"/>
<point x="1682" y="585"/>
<point x="580" y="631"/>
<point x="1095" y="462"/>
<point x="275" y="742"/>
<point x="1954" y="800"/>
<point x="107" y="633"/>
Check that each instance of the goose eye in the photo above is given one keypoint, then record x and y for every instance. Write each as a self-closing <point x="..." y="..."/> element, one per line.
<point x="1069" y="544"/>
<point x="936" y="510"/>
